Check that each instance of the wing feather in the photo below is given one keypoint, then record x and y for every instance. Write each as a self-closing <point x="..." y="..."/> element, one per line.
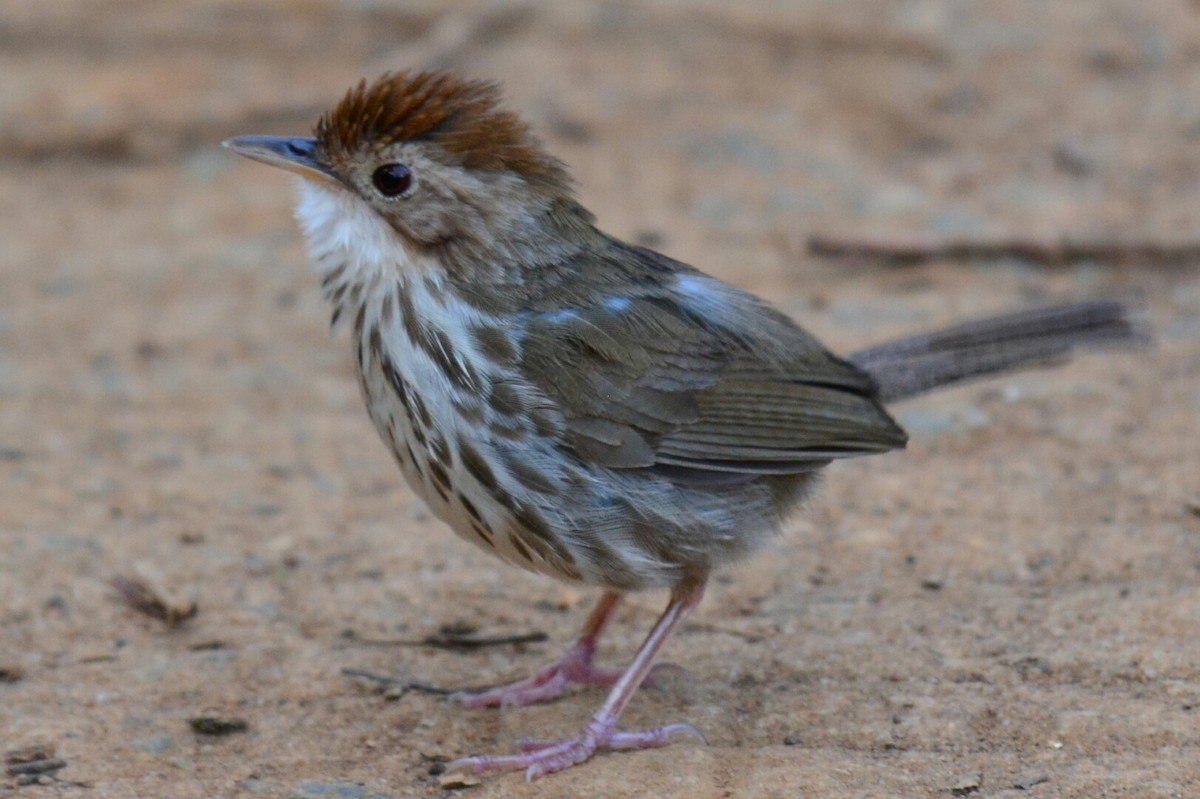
<point x="687" y="375"/>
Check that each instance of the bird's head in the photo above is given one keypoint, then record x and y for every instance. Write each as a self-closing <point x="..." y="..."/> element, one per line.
<point x="439" y="159"/>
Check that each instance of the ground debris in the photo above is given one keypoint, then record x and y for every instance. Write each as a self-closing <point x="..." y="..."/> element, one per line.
<point x="11" y="673"/>
<point x="904" y="251"/>
<point x="1025" y="783"/>
<point x="455" y="781"/>
<point x="456" y="638"/>
<point x="966" y="784"/>
<point x="145" y="593"/>
<point x="218" y="725"/>
<point x="207" y="646"/>
<point x="29" y="763"/>
<point x="399" y="682"/>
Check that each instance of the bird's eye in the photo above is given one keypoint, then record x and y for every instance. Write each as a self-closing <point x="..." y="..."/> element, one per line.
<point x="392" y="180"/>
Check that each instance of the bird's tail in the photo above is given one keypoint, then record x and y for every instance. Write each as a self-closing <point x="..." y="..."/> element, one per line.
<point x="917" y="364"/>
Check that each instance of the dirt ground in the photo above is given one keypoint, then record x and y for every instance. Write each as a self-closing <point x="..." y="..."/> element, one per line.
<point x="1008" y="608"/>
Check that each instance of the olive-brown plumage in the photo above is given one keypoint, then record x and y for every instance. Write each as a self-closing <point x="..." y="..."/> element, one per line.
<point x="574" y="404"/>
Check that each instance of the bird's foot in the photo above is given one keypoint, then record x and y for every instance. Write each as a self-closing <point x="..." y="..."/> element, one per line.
<point x="550" y="681"/>
<point x="540" y="757"/>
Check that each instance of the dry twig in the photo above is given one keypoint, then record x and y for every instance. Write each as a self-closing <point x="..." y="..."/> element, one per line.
<point x="397" y="682"/>
<point x="458" y="640"/>
<point x="218" y="725"/>
<point x="29" y="763"/>
<point x="1049" y="252"/>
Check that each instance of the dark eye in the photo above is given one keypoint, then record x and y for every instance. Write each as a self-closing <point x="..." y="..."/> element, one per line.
<point x="392" y="180"/>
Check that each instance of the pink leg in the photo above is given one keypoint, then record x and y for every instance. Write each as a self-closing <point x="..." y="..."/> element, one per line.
<point x="543" y="757"/>
<point x="550" y="681"/>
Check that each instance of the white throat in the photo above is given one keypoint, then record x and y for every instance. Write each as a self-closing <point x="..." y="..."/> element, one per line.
<point x="354" y="251"/>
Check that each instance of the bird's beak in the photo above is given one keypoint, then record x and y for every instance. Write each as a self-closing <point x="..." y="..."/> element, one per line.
<point x="293" y="153"/>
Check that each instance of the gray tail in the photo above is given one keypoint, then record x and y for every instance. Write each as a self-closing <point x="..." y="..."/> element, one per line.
<point x="917" y="364"/>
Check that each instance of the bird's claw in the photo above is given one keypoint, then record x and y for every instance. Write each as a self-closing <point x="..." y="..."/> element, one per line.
<point x="550" y="681"/>
<point x="539" y="757"/>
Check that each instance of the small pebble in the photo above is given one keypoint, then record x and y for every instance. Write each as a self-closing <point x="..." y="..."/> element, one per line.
<point x="453" y="781"/>
<point x="965" y="784"/>
<point x="791" y="740"/>
<point x="1025" y="783"/>
<point x="333" y="790"/>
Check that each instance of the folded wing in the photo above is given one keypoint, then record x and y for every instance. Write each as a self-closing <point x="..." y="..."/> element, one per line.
<point x="699" y="381"/>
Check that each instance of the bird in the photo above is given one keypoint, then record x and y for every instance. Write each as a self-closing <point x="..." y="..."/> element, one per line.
<point x="579" y="406"/>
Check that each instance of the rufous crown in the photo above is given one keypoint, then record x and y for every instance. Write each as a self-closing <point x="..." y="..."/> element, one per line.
<point x="465" y="118"/>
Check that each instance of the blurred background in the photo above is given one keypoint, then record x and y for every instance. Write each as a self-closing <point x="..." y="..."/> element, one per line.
<point x="1012" y="599"/>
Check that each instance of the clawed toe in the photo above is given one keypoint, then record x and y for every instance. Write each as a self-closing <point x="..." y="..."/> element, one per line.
<point x="550" y="682"/>
<point x="653" y="738"/>
<point x="541" y="756"/>
<point x="538" y="757"/>
<point x="547" y="684"/>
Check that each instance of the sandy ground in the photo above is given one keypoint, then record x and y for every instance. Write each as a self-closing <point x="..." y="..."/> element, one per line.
<point x="1013" y="601"/>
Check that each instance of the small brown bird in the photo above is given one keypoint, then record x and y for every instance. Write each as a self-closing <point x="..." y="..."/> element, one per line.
<point x="579" y="406"/>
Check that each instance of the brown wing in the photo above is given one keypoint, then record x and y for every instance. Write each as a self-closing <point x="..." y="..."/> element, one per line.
<point x="685" y="374"/>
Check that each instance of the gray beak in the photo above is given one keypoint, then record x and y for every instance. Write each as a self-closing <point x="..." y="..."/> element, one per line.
<point x="293" y="153"/>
